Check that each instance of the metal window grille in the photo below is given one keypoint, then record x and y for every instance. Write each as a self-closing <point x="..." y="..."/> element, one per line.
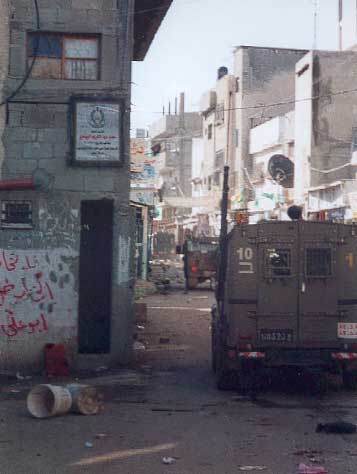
<point x="318" y="262"/>
<point x="16" y="214"/>
<point x="62" y="56"/>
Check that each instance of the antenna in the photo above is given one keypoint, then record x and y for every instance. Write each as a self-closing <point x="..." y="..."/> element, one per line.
<point x="316" y="5"/>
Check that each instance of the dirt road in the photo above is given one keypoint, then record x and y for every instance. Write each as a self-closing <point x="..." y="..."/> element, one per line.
<point x="168" y="406"/>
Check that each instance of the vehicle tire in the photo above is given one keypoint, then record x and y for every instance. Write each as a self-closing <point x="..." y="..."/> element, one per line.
<point x="349" y="378"/>
<point x="226" y="379"/>
<point x="213" y="348"/>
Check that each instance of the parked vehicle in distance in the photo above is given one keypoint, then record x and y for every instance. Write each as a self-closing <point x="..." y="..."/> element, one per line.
<point x="200" y="260"/>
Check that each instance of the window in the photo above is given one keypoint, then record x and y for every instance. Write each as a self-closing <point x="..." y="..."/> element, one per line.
<point x="210" y="131"/>
<point x="62" y="56"/>
<point x="217" y="178"/>
<point x="16" y="214"/>
<point x="219" y="114"/>
<point x="318" y="262"/>
<point x="209" y="183"/>
<point x="278" y="262"/>
<point x="237" y="84"/>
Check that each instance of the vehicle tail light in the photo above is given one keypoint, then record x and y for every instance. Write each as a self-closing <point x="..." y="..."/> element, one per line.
<point x="194" y="269"/>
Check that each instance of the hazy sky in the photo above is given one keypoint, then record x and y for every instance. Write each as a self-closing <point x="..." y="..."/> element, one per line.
<point x="198" y="36"/>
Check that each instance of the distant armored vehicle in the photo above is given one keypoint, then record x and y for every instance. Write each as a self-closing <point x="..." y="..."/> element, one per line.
<point x="287" y="297"/>
<point x="200" y="261"/>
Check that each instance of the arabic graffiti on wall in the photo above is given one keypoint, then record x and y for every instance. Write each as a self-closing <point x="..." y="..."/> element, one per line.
<point x="36" y="292"/>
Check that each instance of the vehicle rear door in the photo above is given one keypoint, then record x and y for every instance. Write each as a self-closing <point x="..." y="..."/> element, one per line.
<point x="317" y="302"/>
<point x="346" y="286"/>
<point x="277" y="284"/>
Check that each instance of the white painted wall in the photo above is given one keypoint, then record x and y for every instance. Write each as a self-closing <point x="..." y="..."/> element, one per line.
<point x="197" y="156"/>
<point x="265" y="136"/>
<point x="303" y="128"/>
<point x="39" y="303"/>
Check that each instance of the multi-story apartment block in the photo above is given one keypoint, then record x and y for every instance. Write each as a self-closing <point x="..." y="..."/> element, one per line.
<point x="172" y="145"/>
<point x="217" y="108"/>
<point x="265" y="80"/>
<point x="325" y="131"/>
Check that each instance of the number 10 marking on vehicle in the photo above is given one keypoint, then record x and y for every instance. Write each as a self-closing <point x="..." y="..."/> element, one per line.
<point x="245" y="256"/>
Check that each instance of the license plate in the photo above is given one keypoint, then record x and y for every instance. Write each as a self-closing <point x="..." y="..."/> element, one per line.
<point x="276" y="335"/>
<point x="347" y="330"/>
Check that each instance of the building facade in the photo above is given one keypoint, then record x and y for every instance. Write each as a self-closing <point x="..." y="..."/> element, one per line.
<point x="274" y="138"/>
<point x="65" y="230"/>
<point x="220" y="137"/>
<point x="265" y="89"/>
<point x="172" y="146"/>
<point x="325" y="128"/>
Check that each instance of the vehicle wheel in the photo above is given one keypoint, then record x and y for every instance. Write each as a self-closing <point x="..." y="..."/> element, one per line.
<point x="349" y="378"/>
<point x="213" y="348"/>
<point x="225" y="379"/>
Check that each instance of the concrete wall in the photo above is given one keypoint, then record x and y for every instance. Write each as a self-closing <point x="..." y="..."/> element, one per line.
<point x="178" y="161"/>
<point x="303" y="127"/>
<point x="333" y="116"/>
<point x="4" y="63"/>
<point x="266" y="90"/>
<point x="222" y="131"/>
<point x="37" y="136"/>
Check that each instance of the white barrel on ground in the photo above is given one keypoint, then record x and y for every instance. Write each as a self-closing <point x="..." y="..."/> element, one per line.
<point x="46" y="400"/>
<point x="86" y="399"/>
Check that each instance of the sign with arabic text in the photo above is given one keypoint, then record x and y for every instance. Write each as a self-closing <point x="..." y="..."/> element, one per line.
<point x="97" y="132"/>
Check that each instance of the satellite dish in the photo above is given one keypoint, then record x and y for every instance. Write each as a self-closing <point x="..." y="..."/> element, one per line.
<point x="281" y="169"/>
<point x="41" y="178"/>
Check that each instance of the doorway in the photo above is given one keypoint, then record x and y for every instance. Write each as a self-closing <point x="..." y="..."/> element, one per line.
<point x="95" y="276"/>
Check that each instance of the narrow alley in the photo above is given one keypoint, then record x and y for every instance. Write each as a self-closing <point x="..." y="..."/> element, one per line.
<point x="167" y="406"/>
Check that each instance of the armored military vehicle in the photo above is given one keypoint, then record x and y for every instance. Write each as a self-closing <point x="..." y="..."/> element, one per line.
<point x="287" y="297"/>
<point x="200" y="261"/>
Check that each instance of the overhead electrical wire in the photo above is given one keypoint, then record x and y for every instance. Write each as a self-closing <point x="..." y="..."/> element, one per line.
<point x="29" y="70"/>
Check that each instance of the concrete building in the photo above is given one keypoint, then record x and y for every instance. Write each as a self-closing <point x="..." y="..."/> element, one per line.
<point x="219" y="142"/>
<point x="325" y="129"/>
<point x="270" y="198"/>
<point x="172" y="142"/>
<point x="143" y="198"/>
<point x="65" y="227"/>
<point x="265" y="79"/>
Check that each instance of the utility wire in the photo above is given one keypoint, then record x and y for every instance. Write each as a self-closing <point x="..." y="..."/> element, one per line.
<point x="272" y="104"/>
<point x="28" y="73"/>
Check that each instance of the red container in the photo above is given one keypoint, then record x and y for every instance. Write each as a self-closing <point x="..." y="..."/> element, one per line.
<point x="55" y="360"/>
